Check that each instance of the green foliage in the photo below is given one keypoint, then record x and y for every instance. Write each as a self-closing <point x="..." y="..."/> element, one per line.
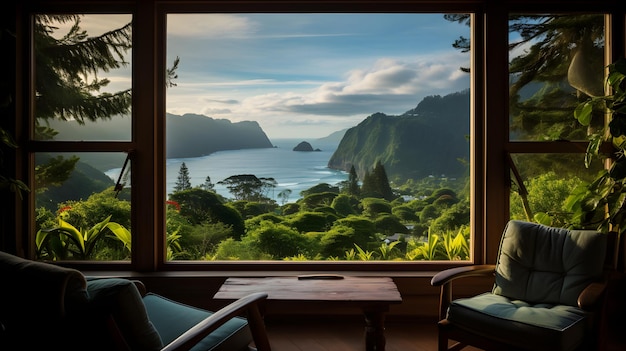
<point x="232" y="250"/>
<point x="202" y="206"/>
<point x="198" y="228"/>
<point x="389" y="224"/>
<point x="311" y="221"/>
<point x="66" y="241"/>
<point x="351" y="185"/>
<point x="606" y="194"/>
<point x="376" y="183"/>
<point x="196" y="204"/>
<point x="290" y="208"/>
<point x="429" y="213"/>
<point x="279" y="240"/>
<point x="87" y="213"/>
<point x="202" y="240"/>
<point x="337" y="240"/>
<point x="320" y="188"/>
<point x="388" y="251"/>
<point x="256" y="221"/>
<point x="44" y="218"/>
<point x="457" y="216"/>
<point x="314" y="200"/>
<point x="249" y="187"/>
<point x="54" y="172"/>
<point x="345" y="205"/>
<point x="362" y="254"/>
<point x="547" y="194"/>
<point x="69" y="86"/>
<point x="456" y="246"/>
<point x="373" y="207"/>
<point x="430" y="250"/>
<point x="405" y="213"/>
<point x="254" y="208"/>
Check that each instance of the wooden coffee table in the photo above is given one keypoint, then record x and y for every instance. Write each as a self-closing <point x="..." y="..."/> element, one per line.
<point x="372" y="295"/>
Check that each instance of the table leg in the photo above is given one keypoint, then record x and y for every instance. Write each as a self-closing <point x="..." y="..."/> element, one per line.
<point x="374" y="331"/>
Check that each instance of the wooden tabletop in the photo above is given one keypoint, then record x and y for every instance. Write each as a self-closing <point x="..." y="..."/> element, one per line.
<point x="346" y="289"/>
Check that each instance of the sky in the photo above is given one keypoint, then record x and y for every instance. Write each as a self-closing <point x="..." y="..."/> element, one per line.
<point x="306" y="75"/>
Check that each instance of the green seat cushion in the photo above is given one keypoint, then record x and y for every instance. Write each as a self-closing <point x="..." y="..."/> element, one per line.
<point x="173" y="318"/>
<point x="121" y="299"/>
<point x="538" y="326"/>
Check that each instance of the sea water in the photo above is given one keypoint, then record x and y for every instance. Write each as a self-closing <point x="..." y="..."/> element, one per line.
<point x="293" y="170"/>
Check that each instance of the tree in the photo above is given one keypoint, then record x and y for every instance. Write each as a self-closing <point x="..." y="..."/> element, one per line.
<point x="67" y="84"/>
<point x="208" y="185"/>
<point x="545" y="79"/>
<point x="382" y="182"/>
<point x="279" y="240"/>
<point x="67" y="80"/>
<point x="248" y="187"/>
<point x="284" y="195"/>
<point x="376" y="184"/>
<point x="351" y="185"/>
<point x="200" y="207"/>
<point x="183" y="182"/>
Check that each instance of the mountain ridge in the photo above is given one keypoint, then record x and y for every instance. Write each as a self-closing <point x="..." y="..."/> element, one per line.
<point x="430" y="139"/>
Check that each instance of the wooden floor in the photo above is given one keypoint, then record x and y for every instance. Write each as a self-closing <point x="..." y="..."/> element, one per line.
<point x="288" y="334"/>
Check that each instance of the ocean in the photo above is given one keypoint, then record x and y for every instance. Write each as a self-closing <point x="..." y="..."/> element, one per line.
<point x="296" y="171"/>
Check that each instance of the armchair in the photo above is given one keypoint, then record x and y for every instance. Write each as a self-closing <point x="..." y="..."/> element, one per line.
<point x="547" y="295"/>
<point x="45" y="306"/>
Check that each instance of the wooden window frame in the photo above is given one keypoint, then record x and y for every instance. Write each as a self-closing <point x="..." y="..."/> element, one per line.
<point x="489" y="102"/>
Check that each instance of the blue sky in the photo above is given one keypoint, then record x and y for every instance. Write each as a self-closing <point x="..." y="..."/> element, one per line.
<point x="303" y="75"/>
<point x="308" y="75"/>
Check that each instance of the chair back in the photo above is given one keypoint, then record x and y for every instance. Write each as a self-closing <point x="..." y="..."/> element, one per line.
<point x="542" y="264"/>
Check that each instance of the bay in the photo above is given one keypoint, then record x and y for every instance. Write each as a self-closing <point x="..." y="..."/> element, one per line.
<point x="293" y="170"/>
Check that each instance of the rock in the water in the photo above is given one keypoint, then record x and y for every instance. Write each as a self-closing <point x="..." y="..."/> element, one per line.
<point x="303" y="146"/>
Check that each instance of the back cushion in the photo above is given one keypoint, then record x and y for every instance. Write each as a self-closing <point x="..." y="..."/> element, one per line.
<point x="537" y="263"/>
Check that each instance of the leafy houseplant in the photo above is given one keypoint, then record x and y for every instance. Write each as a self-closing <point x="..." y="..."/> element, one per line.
<point x="602" y="203"/>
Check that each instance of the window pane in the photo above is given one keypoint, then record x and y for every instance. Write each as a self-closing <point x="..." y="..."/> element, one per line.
<point x="548" y="188"/>
<point x="71" y="193"/>
<point x="82" y="93"/>
<point x="556" y="61"/>
<point x="317" y="136"/>
<point x="83" y="77"/>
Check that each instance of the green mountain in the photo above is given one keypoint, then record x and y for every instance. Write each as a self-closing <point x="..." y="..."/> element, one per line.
<point x="192" y="135"/>
<point x="431" y="139"/>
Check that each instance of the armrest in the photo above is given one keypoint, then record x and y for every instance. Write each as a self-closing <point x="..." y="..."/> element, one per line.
<point x="248" y="304"/>
<point x="445" y="277"/>
<point x="591" y="296"/>
<point x="141" y="287"/>
<point x="448" y="275"/>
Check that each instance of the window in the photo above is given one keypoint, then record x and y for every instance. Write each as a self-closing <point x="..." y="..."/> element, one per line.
<point x="504" y="98"/>
<point x="553" y="67"/>
<point x="383" y="93"/>
<point x="82" y="101"/>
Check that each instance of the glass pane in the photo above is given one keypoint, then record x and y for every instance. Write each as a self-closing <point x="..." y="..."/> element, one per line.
<point x="318" y="136"/>
<point x="555" y="61"/>
<point x="76" y="193"/>
<point x="83" y="77"/>
<point x="546" y="189"/>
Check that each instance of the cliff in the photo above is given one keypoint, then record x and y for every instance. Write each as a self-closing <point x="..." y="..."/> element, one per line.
<point x="430" y="139"/>
<point x="192" y="135"/>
